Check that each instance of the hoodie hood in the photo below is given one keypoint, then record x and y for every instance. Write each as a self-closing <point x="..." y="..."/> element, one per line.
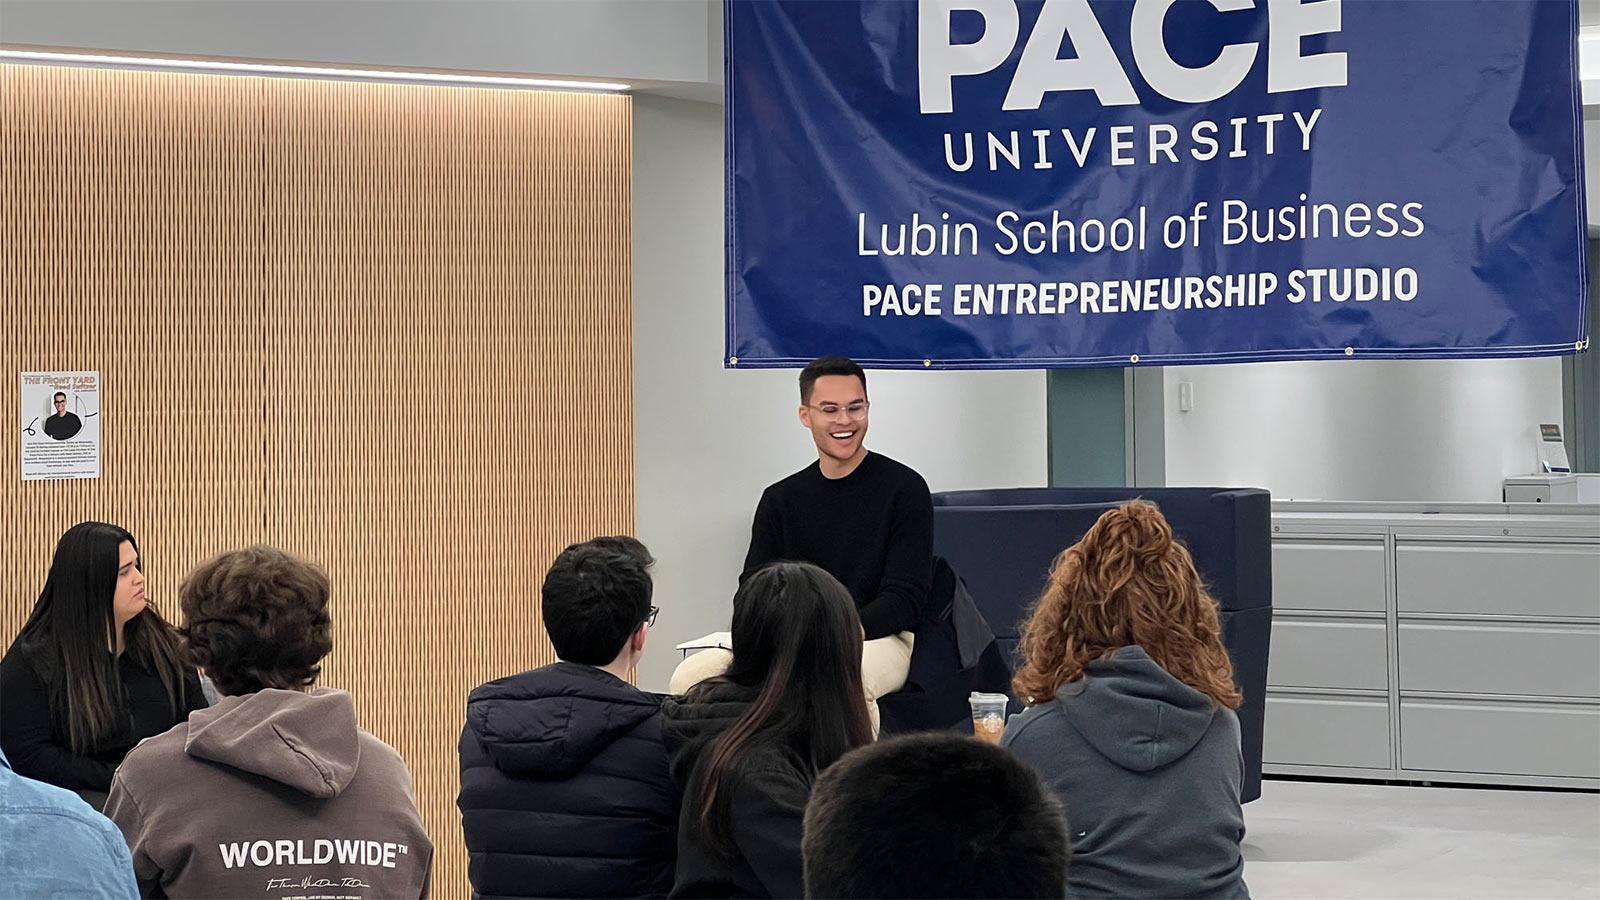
<point x="552" y="721"/>
<point x="308" y="741"/>
<point x="1134" y="713"/>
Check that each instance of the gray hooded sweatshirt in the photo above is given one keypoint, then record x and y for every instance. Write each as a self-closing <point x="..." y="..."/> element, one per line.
<point x="275" y="794"/>
<point x="1150" y="770"/>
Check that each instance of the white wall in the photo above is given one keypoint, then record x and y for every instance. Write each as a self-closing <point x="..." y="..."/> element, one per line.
<point x="659" y="40"/>
<point x="1361" y="430"/>
<point x="709" y="439"/>
<point x="1591" y="165"/>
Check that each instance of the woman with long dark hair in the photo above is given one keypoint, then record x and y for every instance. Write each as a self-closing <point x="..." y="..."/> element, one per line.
<point x="95" y="668"/>
<point x="1131" y="714"/>
<point x="747" y="745"/>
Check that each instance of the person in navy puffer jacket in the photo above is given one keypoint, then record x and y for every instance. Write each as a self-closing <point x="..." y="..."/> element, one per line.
<point x="565" y="785"/>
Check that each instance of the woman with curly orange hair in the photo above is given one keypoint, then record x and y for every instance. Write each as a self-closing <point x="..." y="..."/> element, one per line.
<point x="1131" y="714"/>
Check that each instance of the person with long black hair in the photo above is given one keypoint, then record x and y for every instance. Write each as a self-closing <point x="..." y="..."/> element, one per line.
<point x="748" y="744"/>
<point x="95" y="668"/>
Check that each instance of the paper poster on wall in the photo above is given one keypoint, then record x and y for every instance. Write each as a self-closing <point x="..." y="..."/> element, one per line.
<point x="1019" y="184"/>
<point x="60" y="425"/>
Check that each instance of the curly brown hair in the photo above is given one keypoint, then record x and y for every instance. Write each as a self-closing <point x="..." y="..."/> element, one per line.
<point x="257" y="618"/>
<point x="1128" y="581"/>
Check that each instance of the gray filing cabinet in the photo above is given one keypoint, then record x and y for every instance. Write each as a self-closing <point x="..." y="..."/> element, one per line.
<point x="1449" y="642"/>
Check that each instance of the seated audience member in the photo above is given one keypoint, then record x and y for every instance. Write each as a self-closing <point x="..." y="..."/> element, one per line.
<point x="53" y="845"/>
<point x="94" y="670"/>
<point x="276" y="788"/>
<point x="565" y="786"/>
<point x="934" y="815"/>
<point x="1131" y="716"/>
<point x="748" y="744"/>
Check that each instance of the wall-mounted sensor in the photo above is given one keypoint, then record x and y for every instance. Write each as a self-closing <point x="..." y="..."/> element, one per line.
<point x="1185" y="396"/>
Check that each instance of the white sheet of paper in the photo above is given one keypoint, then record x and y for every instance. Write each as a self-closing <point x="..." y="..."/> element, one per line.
<point x="722" y="639"/>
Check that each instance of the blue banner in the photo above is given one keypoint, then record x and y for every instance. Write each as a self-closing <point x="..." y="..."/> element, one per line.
<point x="999" y="184"/>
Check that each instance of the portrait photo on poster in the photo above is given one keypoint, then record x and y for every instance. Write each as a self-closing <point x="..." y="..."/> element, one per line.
<point x="63" y="424"/>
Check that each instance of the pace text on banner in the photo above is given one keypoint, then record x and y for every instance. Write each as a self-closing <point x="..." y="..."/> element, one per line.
<point x="1000" y="184"/>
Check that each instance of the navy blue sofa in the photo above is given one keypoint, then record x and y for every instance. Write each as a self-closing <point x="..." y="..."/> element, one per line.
<point x="1001" y="543"/>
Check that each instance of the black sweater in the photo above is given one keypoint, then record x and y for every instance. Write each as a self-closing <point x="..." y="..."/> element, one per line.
<point x="34" y="738"/>
<point x="872" y="530"/>
<point x="767" y="802"/>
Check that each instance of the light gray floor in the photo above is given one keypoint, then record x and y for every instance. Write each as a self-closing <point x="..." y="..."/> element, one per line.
<point x="1314" y="839"/>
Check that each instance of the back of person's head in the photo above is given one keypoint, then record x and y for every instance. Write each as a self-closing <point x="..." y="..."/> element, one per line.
<point x="934" y="815"/>
<point x="595" y="596"/>
<point x="1128" y="581"/>
<point x="828" y="365"/>
<point x="257" y="618"/>
<point x="797" y="642"/>
<point x="73" y="628"/>
<point x="626" y="543"/>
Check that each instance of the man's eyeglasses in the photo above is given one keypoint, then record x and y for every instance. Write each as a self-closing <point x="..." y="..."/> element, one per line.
<point x="650" y="618"/>
<point x="854" y="410"/>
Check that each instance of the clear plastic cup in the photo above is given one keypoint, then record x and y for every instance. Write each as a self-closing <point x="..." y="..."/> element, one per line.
<point x="988" y="716"/>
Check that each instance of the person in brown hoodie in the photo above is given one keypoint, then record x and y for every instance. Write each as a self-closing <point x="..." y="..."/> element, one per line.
<point x="276" y="791"/>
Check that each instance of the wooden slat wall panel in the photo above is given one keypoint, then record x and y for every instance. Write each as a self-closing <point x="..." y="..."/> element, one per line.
<point x="386" y="327"/>
<point x="449" y="382"/>
<point x="130" y="231"/>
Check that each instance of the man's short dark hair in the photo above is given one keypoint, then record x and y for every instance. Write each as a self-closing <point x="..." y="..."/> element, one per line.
<point x="61" y="394"/>
<point x="934" y="815"/>
<point x="595" y="595"/>
<point x="828" y="365"/>
<point x="257" y="618"/>
<point x="625" y="543"/>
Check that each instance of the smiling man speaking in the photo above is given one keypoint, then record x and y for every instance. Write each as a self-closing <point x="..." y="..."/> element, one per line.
<point x="863" y="517"/>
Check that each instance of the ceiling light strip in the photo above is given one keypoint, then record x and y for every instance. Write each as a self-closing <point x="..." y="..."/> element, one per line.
<point x="244" y="68"/>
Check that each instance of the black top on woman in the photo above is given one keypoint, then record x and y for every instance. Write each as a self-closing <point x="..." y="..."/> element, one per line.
<point x="94" y="670"/>
<point x="747" y="746"/>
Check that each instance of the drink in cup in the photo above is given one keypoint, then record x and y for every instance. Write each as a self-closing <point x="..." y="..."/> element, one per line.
<point x="988" y="716"/>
